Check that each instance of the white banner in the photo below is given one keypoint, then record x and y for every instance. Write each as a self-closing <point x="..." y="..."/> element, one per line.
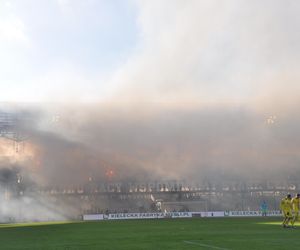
<point x="149" y="215"/>
<point x="128" y="216"/>
<point x="251" y="213"/>
<point x="93" y="217"/>
<point x="209" y="214"/>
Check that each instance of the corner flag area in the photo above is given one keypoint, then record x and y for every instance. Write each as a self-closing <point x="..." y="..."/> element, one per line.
<point x="175" y="234"/>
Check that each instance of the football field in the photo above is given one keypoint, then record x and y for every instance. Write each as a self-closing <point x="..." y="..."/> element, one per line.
<point x="175" y="234"/>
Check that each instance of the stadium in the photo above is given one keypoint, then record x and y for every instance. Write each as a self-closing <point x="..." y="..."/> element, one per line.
<point x="149" y="125"/>
<point x="105" y="201"/>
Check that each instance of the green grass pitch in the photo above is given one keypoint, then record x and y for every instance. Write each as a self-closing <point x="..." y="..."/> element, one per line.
<point x="175" y="234"/>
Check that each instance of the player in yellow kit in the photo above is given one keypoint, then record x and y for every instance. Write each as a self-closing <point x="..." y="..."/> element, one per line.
<point x="295" y="204"/>
<point x="286" y="208"/>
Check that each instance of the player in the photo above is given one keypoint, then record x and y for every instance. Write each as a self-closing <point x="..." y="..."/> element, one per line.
<point x="264" y="208"/>
<point x="295" y="204"/>
<point x="286" y="208"/>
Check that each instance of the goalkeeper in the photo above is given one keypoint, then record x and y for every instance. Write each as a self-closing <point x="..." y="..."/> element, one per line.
<point x="286" y="208"/>
<point x="295" y="204"/>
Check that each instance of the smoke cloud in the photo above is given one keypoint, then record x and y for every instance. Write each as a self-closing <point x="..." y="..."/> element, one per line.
<point x="210" y="93"/>
<point x="159" y="142"/>
<point x="194" y="97"/>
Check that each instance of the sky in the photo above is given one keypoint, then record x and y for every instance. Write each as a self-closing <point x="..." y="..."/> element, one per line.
<point x="154" y="51"/>
<point x="173" y="88"/>
<point x="55" y="50"/>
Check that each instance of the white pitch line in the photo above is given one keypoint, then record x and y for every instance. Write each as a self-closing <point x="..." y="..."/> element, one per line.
<point x="204" y="245"/>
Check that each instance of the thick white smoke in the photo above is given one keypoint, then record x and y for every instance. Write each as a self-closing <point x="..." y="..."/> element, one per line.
<point x="211" y="92"/>
<point x="212" y="52"/>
